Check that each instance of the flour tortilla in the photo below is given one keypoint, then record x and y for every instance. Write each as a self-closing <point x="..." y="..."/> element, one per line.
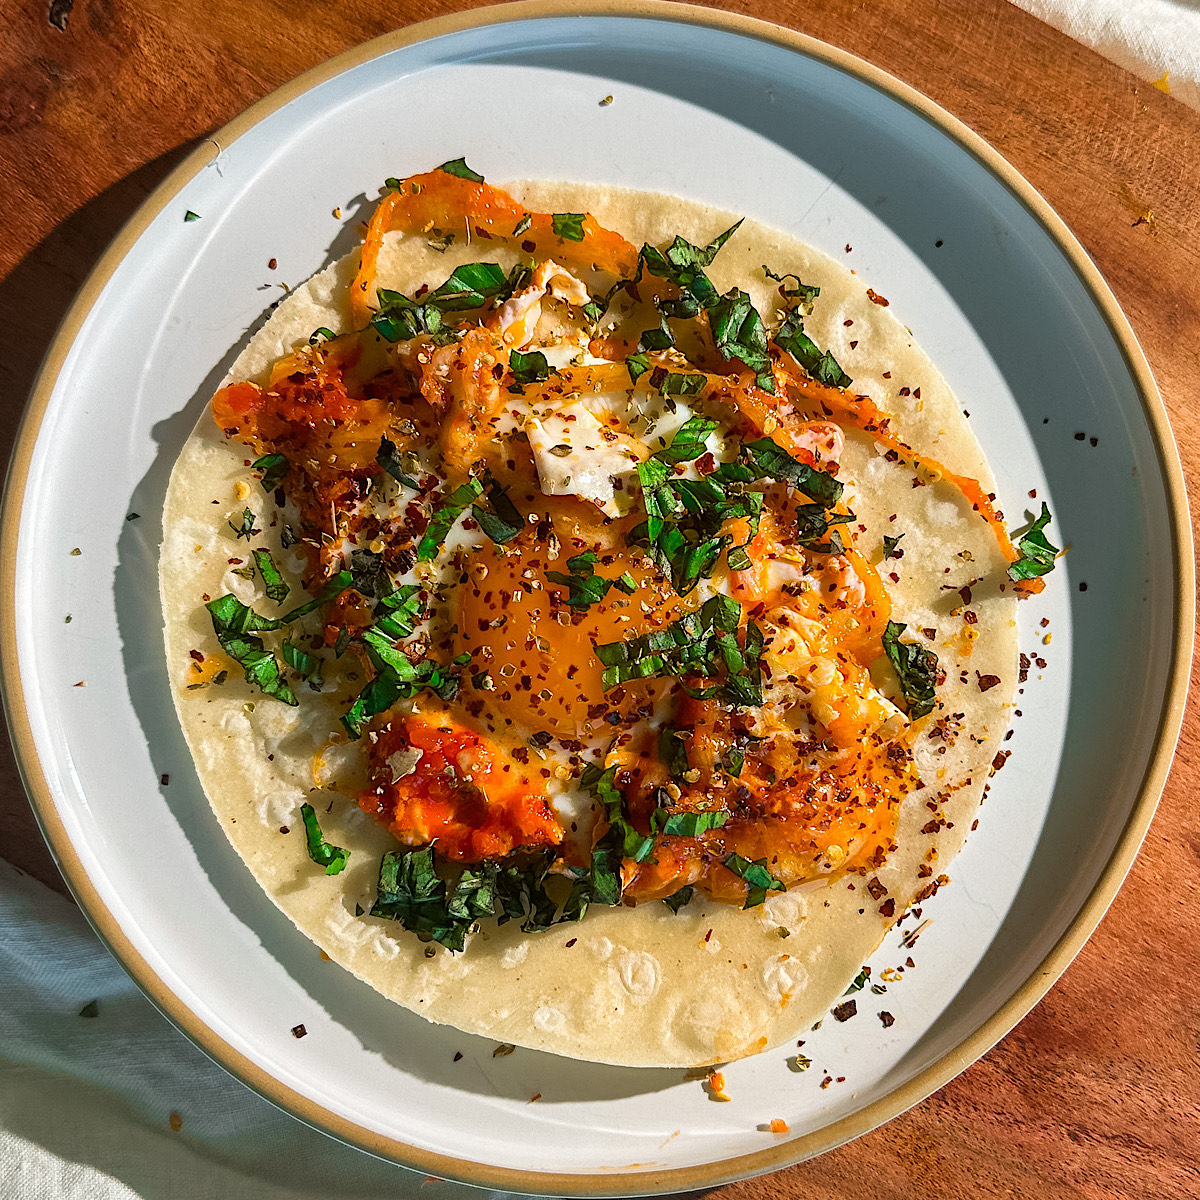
<point x="639" y="987"/>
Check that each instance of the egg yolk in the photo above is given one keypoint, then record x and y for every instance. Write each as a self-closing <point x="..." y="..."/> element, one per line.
<point x="538" y="651"/>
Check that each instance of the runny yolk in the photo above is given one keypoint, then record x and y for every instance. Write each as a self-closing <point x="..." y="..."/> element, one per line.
<point x="539" y="652"/>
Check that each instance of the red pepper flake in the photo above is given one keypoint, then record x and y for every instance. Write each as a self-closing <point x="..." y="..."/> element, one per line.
<point x="1023" y="673"/>
<point x="888" y="907"/>
<point x="535" y="1097"/>
<point x="708" y="935"/>
<point x="826" y="1082"/>
<point x="272" y="263"/>
<point x="1000" y="759"/>
<point x="876" y="298"/>
<point x="965" y="593"/>
<point x="175" y="1120"/>
<point x="457" y="1056"/>
<point x="843" y="1012"/>
<point x="877" y="890"/>
<point x="969" y="617"/>
<point x="887" y="1019"/>
<point x="196" y="655"/>
<point x="164" y="779"/>
<point x="572" y="942"/>
<point x="906" y="391"/>
<point x="986" y="681"/>
<point x="298" y="1031"/>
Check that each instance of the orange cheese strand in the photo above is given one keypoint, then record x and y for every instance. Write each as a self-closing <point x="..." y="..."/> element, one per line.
<point x="464" y="793"/>
<point x="438" y="200"/>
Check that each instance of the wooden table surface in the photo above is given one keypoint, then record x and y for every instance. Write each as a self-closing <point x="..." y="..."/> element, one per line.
<point x="1097" y="1092"/>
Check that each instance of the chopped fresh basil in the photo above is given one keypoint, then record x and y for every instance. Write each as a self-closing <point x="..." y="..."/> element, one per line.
<point x="683" y="265"/>
<point x="813" y="522"/>
<point x="692" y="824"/>
<point x="470" y="286"/>
<point x="274" y="468"/>
<point x="504" y="522"/>
<point x="685" y="516"/>
<point x="917" y="667"/>
<point x="676" y="901"/>
<point x="308" y="665"/>
<point x="674" y="383"/>
<point x="672" y="752"/>
<point x="445" y="516"/>
<point x="411" y="891"/>
<point x="1037" y="552"/>
<point x="191" y="216"/>
<point x="323" y="333"/>
<point x="584" y="586"/>
<point x="398" y="614"/>
<point x="703" y="642"/>
<point x="392" y="183"/>
<point x="398" y="679"/>
<point x="738" y="332"/>
<point x="522" y="225"/>
<point x="890" y="544"/>
<point x="389" y="459"/>
<point x="804" y="293"/>
<point x="332" y="858"/>
<point x="458" y="166"/>
<point x="734" y="761"/>
<point x="859" y="982"/>
<point x="273" y="582"/>
<point x="400" y="318"/>
<point x="235" y="624"/>
<point x="688" y="442"/>
<point x="529" y="368"/>
<point x="246" y="528"/>
<point x="759" y="880"/>
<point x="637" y="365"/>
<point x="824" y="367"/>
<point x="568" y="226"/>
<point x="770" y="459"/>
<point x="657" y="339"/>
<point x="631" y="842"/>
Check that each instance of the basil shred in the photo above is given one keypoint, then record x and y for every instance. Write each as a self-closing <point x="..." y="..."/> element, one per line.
<point x="917" y="667"/>
<point x="332" y="858"/>
<point x="1037" y="552"/>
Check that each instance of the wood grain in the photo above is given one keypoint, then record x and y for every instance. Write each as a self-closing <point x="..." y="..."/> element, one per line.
<point x="1096" y="1094"/>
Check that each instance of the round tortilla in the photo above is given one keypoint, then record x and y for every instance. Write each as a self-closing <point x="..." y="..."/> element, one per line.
<point x="632" y="986"/>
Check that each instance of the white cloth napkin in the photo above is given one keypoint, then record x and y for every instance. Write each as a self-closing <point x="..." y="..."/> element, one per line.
<point x="1157" y="40"/>
<point x="87" y="1101"/>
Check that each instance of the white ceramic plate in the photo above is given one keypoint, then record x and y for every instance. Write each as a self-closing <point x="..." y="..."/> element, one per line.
<point x="750" y="118"/>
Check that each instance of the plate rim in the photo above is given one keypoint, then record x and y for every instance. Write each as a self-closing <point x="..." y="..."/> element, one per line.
<point x="615" y="1183"/>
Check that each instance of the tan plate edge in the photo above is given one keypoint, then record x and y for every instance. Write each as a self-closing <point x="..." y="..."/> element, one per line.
<point x="619" y="1182"/>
